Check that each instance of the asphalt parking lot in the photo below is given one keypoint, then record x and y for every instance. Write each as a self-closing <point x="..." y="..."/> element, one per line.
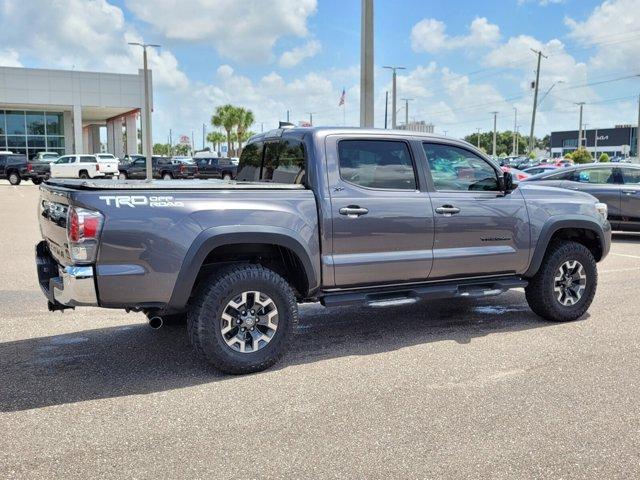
<point x="463" y="390"/>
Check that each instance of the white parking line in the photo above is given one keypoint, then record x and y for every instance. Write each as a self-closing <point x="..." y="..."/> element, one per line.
<point x="615" y="270"/>
<point x="18" y="190"/>
<point x="626" y="255"/>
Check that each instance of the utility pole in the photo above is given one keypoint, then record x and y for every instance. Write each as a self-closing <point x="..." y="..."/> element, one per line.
<point x="517" y="142"/>
<point x="386" y="107"/>
<point x="638" y="132"/>
<point x="581" y="104"/>
<point x="535" y="98"/>
<point x="406" y="110"/>
<point x="495" y="126"/>
<point x="261" y="127"/>
<point x="287" y="116"/>
<point x="393" y="94"/>
<point x="170" y="143"/>
<point x="193" y="145"/>
<point x="595" y="147"/>
<point x="311" y="118"/>
<point x="478" y="139"/>
<point x="445" y="132"/>
<point x="147" y="109"/>
<point x="515" y="126"/>
<point x="366" y="64"/>
<point x="204" y="132"/>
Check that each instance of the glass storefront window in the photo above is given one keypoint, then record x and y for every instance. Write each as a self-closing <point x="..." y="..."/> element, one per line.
<point x="35" y="123"/>
<point x="36" y="141"/>
<point x="15" y="122"/>
<point x="3" y="142"/>
<point x="54" y="124"/>
<point x="2" y="128"/>
<point x="55" y="142"/>
<point x="16" y="141"/>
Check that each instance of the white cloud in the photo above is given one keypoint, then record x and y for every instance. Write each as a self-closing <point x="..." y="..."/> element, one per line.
<point x="429" y="35"/>
<point x="542" y="3"/>
<point x="612" y="29"/>
<point x="238" y="29"/>
<point x="293" y="57"/>
<point x="9" y="58"/>
<point x="84" y="35"/>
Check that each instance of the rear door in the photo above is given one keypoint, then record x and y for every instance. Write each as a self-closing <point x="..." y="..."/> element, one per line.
<point x="381" y="212"/>
<point x="603" y="182"/>
<point x="630" y="198"/>
<point x="478" y="229"/>
<point x="3" y="164"/>
<point x="62" y="167"/>
<point x="137" y="168"/>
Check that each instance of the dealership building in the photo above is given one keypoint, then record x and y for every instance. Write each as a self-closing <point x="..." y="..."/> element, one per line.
<point x="617" y="141"/>
<point x="71" y="111"/>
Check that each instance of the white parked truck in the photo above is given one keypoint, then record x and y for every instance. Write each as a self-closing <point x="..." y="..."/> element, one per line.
<point x="84" y="166"/>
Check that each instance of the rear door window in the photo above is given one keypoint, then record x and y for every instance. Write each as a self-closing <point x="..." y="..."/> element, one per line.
<point x="631" y="176"/>
<point x="88" y="159"/>
<point x="598" y="176"/>
<point x="380" y="164"/>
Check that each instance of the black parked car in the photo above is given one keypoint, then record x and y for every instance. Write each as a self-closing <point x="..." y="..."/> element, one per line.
<point x="616" y="185"/>
<point x="216" y="167"/>
<point x="163" y="168"/>
<point x="14" y="167"/>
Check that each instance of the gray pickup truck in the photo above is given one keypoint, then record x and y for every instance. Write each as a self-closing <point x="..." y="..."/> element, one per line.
<point x="336" y="215"/>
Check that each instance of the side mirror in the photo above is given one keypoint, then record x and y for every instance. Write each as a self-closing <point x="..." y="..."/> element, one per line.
<point x="506" y="182"/>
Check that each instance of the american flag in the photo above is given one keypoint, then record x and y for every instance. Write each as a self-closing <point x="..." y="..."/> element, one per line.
<point x="342" y="98"/>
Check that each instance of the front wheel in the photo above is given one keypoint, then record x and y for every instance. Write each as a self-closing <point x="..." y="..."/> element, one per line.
<point x="563" y="288"/>
<point x="36" y="181"/>
<point x="226" y="176"/>
<point x="84" y="175"/>
<point x="167" y="176"/>
<point x="122" y="176"/>
<point x="14" y="178"/>
<point x="241" y="318"/>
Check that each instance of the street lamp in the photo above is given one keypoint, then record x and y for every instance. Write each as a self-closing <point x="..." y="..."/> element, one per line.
<point x="147" y="107"/>
<point x="393" y="95"/>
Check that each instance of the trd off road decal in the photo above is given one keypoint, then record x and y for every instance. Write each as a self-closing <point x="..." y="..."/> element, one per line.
<point x="133" y="201"/>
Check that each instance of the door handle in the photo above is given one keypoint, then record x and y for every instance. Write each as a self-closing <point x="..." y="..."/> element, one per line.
<point x="629" y="192"/>
<point x="447" y="210"/>
<point x="353" y="211"/>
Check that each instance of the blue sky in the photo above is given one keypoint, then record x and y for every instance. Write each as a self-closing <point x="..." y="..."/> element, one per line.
<point x="464" y="59"/>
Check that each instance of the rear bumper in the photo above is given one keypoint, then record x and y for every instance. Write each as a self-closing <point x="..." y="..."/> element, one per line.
<point x="71" y="286"/>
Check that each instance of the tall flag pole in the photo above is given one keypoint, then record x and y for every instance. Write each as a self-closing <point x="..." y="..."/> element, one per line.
<point x="342" y="103"/>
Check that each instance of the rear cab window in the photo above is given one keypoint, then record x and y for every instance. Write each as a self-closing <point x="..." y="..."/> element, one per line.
<point x="278" y="160"/>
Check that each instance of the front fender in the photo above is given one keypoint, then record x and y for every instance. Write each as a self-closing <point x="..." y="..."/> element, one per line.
<point x="557" y="223"/>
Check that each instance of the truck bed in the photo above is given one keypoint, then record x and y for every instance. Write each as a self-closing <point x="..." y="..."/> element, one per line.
<point x="77" y="184"/>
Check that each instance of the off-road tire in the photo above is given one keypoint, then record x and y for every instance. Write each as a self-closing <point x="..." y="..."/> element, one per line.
<point x="14" y="178"/>
<point x="84" y="175"/>
<point x="36" y="181"/>
<point x="122" y="176"/>
<point x="167" y="176"/>
<point x="226" y="176"/>
<point x="540" y="294"/>
<point x="206" y="307"/>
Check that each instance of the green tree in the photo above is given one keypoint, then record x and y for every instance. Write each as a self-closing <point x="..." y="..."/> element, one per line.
<point x="245" y="119"/>
<point x="504" y="142"/>
<point x="161" y="149"/>
<point x="581" y="156"/>
<point x="604" y="158"/>
<point x="226" y="116"/>
<point x="216" y="138"/>
<point x="182" y="149"/>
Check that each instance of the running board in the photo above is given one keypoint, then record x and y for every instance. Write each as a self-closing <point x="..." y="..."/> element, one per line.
<point x="394" y="296"/>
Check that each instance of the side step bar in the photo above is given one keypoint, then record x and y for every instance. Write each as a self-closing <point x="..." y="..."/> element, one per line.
<point x="393" y="296"/>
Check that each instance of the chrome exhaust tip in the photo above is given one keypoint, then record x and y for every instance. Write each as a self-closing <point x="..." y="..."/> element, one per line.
<point x="155" y="322"/>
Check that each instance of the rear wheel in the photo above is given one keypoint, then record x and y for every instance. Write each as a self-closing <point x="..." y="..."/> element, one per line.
<point x="14" y="178"/>
<point x="36" y="181"/>
<point x="565" y="284"/>
<point x="167" y="176"/>
<point x="84" y="175"/>
<point x="122" y="176"/>
<point x="241" y="318"/>
<point x="226" y="176"/>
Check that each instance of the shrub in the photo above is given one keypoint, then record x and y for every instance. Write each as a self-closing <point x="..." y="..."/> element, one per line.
<point x="582" y="156"/>
<point x="604" y="158"/>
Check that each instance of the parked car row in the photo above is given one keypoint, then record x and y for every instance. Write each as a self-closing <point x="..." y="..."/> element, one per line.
<point x="617" y="185"/>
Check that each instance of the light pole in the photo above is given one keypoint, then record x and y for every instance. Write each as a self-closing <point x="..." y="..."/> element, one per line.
<point x="495" y="126"/>
<point x="147" y="108"/>
<point x="203" y="134"/>
<point x="535" y="98"/>
<point x="393" y="94"/>
<point x="515" y="125"/>
<point x="310" y="118"/>
<point x="581" y="104"/>
<point x="478" y="139"/>
<point x="406" y="110"/>
<point x="366" y="64"/>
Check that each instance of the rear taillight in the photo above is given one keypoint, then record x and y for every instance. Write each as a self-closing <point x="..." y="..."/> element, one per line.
<point x="29" y="167"/>
<point x="83" y="231"/>
<point x="97" y="167"/>
<point x="182" y="168"/>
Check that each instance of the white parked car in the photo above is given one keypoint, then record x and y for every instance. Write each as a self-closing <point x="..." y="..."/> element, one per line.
<point x="83" y="166"/>
<point x="108" y="163"/>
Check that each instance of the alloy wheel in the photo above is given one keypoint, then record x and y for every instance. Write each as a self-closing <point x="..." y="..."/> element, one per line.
<point x="569" y="283"/>
<point x="249" y="321"/>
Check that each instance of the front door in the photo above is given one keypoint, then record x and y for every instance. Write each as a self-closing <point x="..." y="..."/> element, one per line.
<point x="138" y="168"/>
<point x="630" y="198"/>
<point x="381" y="215"/>
<point x="478" y="229"/>
<point x="603" y="182"/>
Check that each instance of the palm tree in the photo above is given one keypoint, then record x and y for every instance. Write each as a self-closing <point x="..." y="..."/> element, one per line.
<point x="226" y="116"/>
<point x="216" y="138"/>
<point x="245" y="119"/>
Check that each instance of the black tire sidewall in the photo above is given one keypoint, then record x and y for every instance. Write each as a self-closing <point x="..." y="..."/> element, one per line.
<point x="543" y="298"/>
<point x="215" y="300"/>
<point x="14" y="179"/>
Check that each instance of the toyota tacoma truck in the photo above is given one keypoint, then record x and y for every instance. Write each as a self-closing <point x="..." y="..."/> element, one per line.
<point x="336" y="215"/>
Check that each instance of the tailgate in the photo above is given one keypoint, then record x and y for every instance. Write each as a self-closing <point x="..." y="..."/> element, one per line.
<point x="53" y="208"/>
<point x="108" y="166"/>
